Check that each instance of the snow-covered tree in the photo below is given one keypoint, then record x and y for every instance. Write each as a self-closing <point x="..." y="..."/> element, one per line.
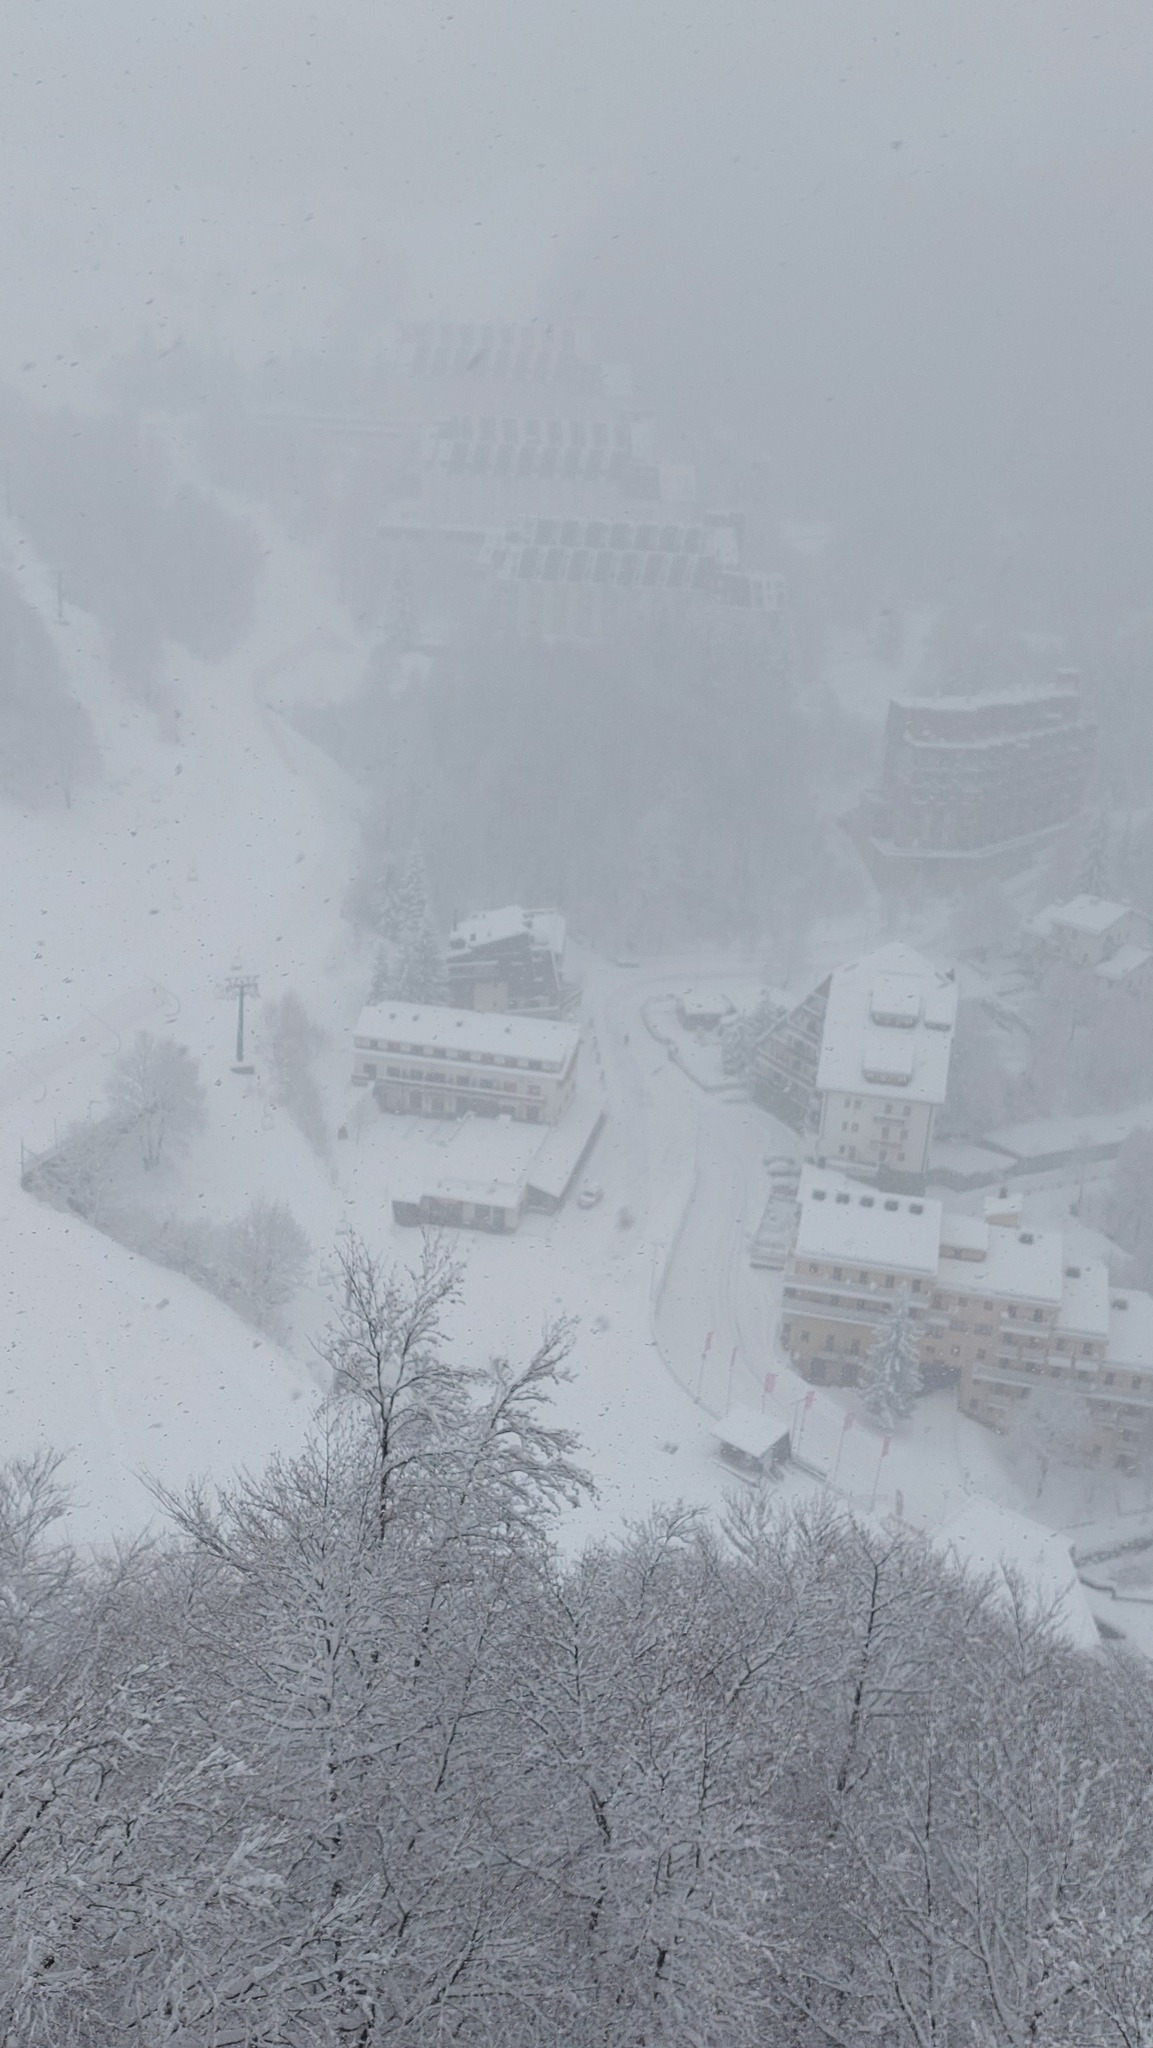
<point x="1095" y="873"/>
<point x="890" y="1377"/>
<point x="154" y="1092"/>
<point x="293" y="1041"/>
<point x="84" y="1171"/>
<point x="742" y="1033"/>
<point x="265" y="1256"/>
<point x="978" y="1088"/>
<point x="409" y="965"/>
<point x="1050" y="1428"/>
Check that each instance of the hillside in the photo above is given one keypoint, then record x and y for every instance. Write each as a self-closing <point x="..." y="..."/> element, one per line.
<point x="213" y="833"/>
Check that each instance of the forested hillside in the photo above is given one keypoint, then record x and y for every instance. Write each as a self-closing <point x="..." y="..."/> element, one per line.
<point x="357" y="1757"/>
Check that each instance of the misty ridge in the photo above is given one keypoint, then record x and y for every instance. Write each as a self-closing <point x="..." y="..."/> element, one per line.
<point x="662" y="781"/>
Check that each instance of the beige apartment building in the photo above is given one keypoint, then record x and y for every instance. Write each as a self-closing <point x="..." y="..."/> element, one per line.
<point x="427" y="1061"/>
<point x="1002" y="1309"/>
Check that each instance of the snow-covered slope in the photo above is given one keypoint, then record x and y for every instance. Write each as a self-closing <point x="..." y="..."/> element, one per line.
<point x="214" y="834"/>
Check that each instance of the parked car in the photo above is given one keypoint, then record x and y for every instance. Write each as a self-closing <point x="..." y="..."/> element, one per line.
<point x="590" y="1194"/>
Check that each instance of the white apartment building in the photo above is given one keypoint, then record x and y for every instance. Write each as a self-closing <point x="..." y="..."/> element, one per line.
<point x="427" y="1061"/>
<point x="883" y="1065"/>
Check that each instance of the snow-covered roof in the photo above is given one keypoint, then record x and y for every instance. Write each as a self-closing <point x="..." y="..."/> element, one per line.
<point x="963" y="1236"/>
<point x="473" y="1159"/>
<point x="1085" y="1299"/>
<point x="1131" y="1329"/>
<point x="1019" y="1265"/>
<point x="984" y="1538"/>
<point x="1095" y="914"/>
<point x="1125" y="961"/>
<point x="429" y="1027"/>
<point x="701" y="1002"/>
<point x="839" y="1219"/>
<point x="986" y="700"/>
<point x="548" y="929"/>
<point x="488" y="928"/>
<point x="889" y="1026"/>
<point x="752" y="1432"/>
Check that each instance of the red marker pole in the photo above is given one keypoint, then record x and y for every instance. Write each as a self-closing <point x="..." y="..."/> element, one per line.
<point x="704" y="1355"/>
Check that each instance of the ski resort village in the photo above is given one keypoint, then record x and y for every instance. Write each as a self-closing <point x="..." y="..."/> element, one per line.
<point x="826" y="1135"/>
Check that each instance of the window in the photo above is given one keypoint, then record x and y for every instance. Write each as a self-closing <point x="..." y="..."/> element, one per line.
<point x="890" y="1280"/>
<point x="1038" y="1315"/>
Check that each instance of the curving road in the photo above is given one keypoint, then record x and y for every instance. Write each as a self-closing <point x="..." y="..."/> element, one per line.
<point x="693" y="1164"/>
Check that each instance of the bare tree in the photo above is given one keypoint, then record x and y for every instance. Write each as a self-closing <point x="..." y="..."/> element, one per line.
<point x="154" y="1091"/>
<point x="265" y="1254"/>
<point x="382" y="1348"/>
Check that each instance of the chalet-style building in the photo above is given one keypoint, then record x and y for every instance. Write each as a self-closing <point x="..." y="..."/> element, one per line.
<point x="1110" y="940"/>
<point x="510" y="959"/>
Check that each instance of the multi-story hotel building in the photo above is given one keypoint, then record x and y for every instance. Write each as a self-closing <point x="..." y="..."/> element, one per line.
<point x="969" y="778"/>
<point x="510" y="959"/>
<point x="428" y="1061"/>
<point x="862" y="1065"/>
<point x="1002" y="1310"/>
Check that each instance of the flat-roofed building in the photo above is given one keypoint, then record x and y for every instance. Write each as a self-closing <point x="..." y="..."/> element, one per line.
<point x="1002" y="1311"/>
<point x="428" y="1061"/>
<point x="855" y="1249"/>
<point x="883" y="1068"/>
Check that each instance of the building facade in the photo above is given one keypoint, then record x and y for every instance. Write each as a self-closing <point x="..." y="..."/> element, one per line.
<point x="861" y="1067"/>
<point x="1088" y="931"/>
<point x="426" y="1061"/>
<point x="510" y="959"/>
<point x="1002" y="1311"/>
<point x="967" y="778"/>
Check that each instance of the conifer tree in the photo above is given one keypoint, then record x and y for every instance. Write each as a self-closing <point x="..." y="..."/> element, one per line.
<point x="891" y="1374"/>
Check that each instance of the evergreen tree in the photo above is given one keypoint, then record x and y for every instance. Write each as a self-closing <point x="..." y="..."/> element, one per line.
<point x="891" y="1374"/>
<point x="409" y="966"/>
<point x="1095" y="875"/>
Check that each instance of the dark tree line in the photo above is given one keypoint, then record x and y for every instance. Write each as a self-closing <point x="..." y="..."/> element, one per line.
<point x="355" y="1755"/>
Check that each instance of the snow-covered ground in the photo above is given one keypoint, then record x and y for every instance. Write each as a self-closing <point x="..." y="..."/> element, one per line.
<point x="218" y="836"/>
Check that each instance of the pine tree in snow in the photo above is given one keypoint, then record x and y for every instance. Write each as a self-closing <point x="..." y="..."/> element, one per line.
<point x="891" y="1374"/>
<point x="409" y="966"/>
<point x="1095" y="876"/>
